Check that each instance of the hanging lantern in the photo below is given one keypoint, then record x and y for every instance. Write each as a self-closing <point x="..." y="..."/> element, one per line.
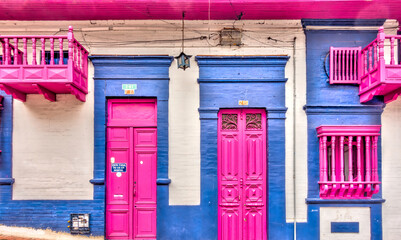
<point x="183" y="60"/>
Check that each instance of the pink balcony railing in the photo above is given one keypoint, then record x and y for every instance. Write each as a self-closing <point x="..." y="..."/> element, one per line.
<point x="348" y="161"/>
<point x="378" y="76"/>
<point x="344" y="65"/>
<point x="60" y="66"/>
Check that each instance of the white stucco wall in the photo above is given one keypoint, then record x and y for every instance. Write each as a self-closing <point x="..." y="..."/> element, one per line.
<point x="53" y="147"/>
<point x="391" y="169"/>
<point x="153" y="38"/>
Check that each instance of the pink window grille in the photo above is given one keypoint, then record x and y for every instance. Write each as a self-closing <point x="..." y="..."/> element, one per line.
<point x="348" y="161"/>
<point x="344" y="65"/>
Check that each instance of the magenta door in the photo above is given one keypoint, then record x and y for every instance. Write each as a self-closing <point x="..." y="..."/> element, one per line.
<point x="131" y="169"/>
<point x="242" y="174"/>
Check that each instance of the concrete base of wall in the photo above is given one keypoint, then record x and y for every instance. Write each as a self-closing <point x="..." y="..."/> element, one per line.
<point x="31" y="233"/>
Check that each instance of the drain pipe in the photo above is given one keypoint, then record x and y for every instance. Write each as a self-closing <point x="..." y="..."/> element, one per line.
<point x="294" y="134"/>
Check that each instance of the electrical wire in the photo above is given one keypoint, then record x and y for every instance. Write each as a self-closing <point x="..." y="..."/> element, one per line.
<point x="124" y="43"/>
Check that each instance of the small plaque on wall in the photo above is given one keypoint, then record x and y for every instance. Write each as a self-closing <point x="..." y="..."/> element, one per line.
<point x="118" y="167"/>
<point x="129" y="89"/>
<point x="243" y="102"/>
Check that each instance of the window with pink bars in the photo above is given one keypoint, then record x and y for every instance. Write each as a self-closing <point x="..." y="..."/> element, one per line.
<point x="348" y="161"/>
<point x="344" y="65"/>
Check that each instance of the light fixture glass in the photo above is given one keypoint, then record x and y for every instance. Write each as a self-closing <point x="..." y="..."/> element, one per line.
<point x="183" y="61"/>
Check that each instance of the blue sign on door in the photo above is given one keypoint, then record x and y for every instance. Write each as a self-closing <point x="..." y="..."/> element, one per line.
<point x="118" y="167"/>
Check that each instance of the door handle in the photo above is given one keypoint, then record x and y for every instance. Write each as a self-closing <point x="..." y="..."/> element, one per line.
<point x="134" y="190"/>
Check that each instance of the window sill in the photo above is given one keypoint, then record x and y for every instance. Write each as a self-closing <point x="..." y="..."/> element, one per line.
<point x="343" y="201"/>
<point x="7" y="181"/>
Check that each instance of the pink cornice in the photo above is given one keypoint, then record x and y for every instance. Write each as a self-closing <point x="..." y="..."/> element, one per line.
<point x="197" y="9"/>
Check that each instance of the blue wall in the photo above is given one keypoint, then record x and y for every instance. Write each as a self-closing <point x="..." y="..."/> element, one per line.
<point x="257" y="79"/>
<point x="152" y="79"/>
<point x="335" y="105"/>
<point x="260" y="80"/>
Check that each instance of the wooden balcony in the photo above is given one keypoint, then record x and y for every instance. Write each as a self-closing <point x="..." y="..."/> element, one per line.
<point x="49" y="71"/>
<point x="368" y="68"/>
<point x="380" y="76"/>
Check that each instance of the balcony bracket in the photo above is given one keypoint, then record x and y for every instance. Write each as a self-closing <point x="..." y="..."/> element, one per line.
<point x="49" y="95"/>
<point x="77" y="93"/>
<point x="392" y="96"/>
<point x="14" y="92"/>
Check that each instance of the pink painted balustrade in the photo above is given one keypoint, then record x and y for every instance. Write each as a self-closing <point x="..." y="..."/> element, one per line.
<point x="344" y="65"/>
<point x="348" y="161"/>
<point x="378" y="76"/>
<point x="25" y="70"/>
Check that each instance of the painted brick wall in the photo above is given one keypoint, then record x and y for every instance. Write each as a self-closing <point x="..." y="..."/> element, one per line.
<point x="52" y="214"/>
<point x="185" y="194"/>
<point x="260" y="80"/>
<point x="334" y="105"/>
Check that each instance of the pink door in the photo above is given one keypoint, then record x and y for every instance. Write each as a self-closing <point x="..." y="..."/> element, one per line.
<point x="242" y="174"/>
<point x="131" y="169"/>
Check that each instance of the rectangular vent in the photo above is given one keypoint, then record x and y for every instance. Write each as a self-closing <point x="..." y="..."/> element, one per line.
<point x="230" y="37"/>
<point x="344" y="65"/>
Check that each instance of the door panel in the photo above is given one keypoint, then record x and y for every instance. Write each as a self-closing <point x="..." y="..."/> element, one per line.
<point x="143" y="184"/>
<point x="146" y="219"/>
<point x="118" y="223"/>
<point x="253" y="223"/>
<point x="230" y="223"/>
<point x="131" y="170"/>
<point x="242" y="174"/>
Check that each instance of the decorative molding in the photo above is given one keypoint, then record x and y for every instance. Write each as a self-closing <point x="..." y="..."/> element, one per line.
<point x="130" y="78"/>
<point x="229" y="121"/>
<point x="343" y="201"/>
<point x="163" y="181"/>
<point x="241" y="61"/>
<point x="343" y="22"/>
<point x="344" y="110"/>
<point x="246" y="80"/>
<point x="276" y="113"/>
<point x="7" y="181"/>
<point x="97" y="181"/>
<point x="253" y="121"/>
<point x="211" y="113"/>
<point x="110" y="60"/>
<point x="208" y="113"/>
<point x="348" y="130"/>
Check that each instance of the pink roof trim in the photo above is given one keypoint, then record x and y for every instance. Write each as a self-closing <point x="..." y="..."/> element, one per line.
<point x="197" y="9"/>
